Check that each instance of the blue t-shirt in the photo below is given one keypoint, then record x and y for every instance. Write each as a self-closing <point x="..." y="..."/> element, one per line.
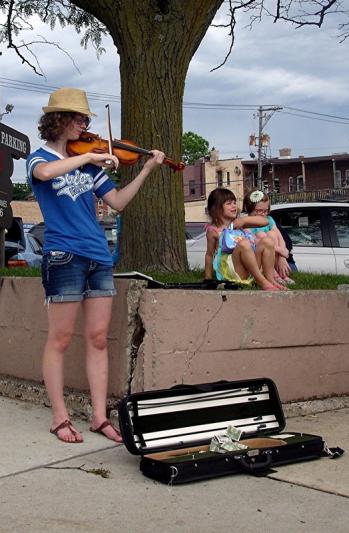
<point x="265" y="229"/>
<point x="68" y="207"/>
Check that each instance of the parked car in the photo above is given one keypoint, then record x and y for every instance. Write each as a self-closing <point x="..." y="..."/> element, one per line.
<point x="112" y="233"/>
<point x="38" y="232"/>
<point x="194" y="229"/>
<point x="21" y="248"/>
<point x="319" y="232"/>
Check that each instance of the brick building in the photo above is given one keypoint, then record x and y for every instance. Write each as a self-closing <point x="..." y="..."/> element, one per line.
<point x="201" y="178"/>
<point x="288" y="174"/>
<point x="29" y="211"/>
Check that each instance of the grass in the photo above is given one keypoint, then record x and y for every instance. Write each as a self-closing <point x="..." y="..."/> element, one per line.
<point x="20" y="272"/>
<point x="304" y="281"/>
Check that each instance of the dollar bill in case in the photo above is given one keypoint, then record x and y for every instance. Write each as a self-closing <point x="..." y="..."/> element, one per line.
<point x="176" y="431"/>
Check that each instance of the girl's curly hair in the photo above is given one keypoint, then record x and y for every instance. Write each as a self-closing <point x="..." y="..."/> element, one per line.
<point x="52" y="125"/>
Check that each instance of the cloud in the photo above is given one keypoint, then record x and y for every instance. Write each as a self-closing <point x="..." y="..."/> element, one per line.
<point x="270" y="64"/>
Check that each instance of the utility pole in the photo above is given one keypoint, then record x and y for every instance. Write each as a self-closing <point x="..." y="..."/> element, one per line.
<point x="8" y="110"/>
<point x="263" y="119"/>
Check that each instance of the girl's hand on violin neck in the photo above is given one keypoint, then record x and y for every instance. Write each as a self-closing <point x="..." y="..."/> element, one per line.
<point x="156" y="160"/>
<point x="104" y="160"/>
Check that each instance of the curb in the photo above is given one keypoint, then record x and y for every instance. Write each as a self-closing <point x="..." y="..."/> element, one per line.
<point x="79" y="405"/>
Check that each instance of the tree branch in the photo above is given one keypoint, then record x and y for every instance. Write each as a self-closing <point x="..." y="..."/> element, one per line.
<point x="11" y="44"/>
<point x="231" y="24"/>
<point x="18" y="13"/>
<point x="82" y="16"/>
<point x="298" y="12"/>
<point x="320" y="14"/>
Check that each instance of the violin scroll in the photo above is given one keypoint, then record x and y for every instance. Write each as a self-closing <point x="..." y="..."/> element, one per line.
<point x="177" y="167"/>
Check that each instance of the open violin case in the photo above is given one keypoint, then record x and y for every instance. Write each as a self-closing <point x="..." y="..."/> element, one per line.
<point x="171" y="430"/>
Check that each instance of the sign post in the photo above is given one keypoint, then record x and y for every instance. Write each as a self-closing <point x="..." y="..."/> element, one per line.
<point x="13" y="145"/>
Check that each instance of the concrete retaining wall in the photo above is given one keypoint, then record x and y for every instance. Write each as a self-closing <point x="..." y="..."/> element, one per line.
<point x="159" y="338"/>
<point x="23" y="332"/>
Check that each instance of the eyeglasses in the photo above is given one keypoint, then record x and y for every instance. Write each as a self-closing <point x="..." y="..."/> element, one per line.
<point x="261" y="211"/>
<point x="81" y="120"/>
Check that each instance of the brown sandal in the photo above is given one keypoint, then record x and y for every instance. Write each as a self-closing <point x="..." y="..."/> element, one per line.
<point x="66" y="424"/>
<point x="105" y="424"/>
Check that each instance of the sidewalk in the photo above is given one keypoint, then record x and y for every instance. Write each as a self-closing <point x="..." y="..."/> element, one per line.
<point x="46" y="485"/>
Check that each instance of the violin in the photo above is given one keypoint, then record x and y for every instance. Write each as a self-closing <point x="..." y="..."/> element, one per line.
<point x="127" y="152"/>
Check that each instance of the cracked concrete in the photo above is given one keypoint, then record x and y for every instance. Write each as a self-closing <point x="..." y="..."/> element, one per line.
<point x="135" y="329"/>
<point x="197" y="337"/>
<point x="46" y="485"/>
<point x="160" y="338"/>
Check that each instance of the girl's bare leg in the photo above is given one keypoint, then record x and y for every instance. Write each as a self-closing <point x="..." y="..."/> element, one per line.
<point x="274" y="238"/>
<point x="245" y="263"/>
<point x="97" y="319"/>
<point x="260" y="235"/>
<point x="61" y="320"/>
<point x="265" y="256"/>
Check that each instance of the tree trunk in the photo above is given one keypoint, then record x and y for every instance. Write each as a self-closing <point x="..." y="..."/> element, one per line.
<point x="156" y="41"/>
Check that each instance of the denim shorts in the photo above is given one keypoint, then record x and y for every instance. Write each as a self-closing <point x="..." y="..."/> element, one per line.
<point x="67" y="277"/>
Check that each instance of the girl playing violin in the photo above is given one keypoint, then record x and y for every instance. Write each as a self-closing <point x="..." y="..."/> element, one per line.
<point x="77" y="265"/>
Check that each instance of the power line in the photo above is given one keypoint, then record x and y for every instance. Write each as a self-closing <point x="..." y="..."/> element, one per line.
<point x="45" y="89"/>
<point x="225" y="107"/>
<point x="314" y="113"/>
<point x="315" y="118"/>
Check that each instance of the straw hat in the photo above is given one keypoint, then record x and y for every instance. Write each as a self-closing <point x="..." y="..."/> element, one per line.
<point x="71" y="100"/>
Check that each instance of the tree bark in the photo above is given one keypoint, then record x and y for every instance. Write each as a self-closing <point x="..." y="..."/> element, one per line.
<point x="156" y="40"/>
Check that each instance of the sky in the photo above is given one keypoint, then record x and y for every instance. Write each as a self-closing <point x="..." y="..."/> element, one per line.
<point x="271" y="65"/>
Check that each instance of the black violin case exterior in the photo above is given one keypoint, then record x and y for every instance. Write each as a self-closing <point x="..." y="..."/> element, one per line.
<point x="171" y="430"/>
<point x="206" y="284"/>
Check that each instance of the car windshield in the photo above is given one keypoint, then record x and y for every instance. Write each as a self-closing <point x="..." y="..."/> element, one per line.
<point x="302" y="225"/>
<point x="33" y="243"/>
<point x="340" y="217"/>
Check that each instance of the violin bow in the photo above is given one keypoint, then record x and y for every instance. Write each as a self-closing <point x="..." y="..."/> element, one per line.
<point x="172" y="164"/>
<point x="110" y="137"/>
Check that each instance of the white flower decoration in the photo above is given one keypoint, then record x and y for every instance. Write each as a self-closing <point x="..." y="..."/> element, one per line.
<point x="256" y="196"/>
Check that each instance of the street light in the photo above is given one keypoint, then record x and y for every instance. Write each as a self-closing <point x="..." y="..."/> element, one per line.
<point x="8" y="109"/>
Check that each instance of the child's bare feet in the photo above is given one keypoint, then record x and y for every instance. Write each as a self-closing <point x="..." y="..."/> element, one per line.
<point x="66" y="432"/>
<point x="280" y="285"/>
<point x="268" y="286"/>
<point x="276" y="282"/>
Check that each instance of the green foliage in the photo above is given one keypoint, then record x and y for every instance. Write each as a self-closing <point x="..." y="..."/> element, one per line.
<point x="193" y="147"/>
<point x="21" y="191"/>
<point x="114" y="175"/>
